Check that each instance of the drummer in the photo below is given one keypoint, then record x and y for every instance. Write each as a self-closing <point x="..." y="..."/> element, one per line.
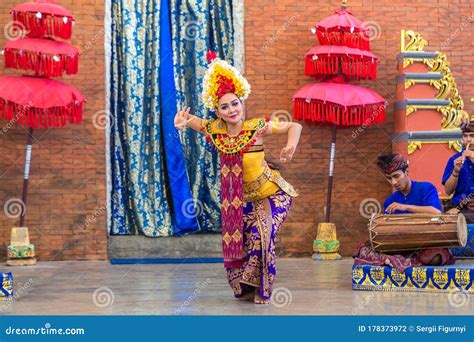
<point x="409" y="196"/>
<point x="458" y="175"/>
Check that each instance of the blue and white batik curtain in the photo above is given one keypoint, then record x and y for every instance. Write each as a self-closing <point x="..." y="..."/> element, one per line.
<point x="161" y="182"/>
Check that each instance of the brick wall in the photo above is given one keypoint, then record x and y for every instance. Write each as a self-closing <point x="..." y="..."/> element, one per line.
<point x="67" y="186"/>
<point x="67" y="183"/>
<point x="277" y="35"/>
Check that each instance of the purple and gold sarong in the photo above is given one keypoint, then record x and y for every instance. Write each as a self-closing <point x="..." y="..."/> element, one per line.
<point x="259" y="269"/>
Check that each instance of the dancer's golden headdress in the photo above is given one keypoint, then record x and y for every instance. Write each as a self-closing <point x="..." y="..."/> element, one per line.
<point x="222" y="78"/>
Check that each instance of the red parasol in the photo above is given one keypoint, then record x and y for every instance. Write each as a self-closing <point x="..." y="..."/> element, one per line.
<point x="343" y="28"/>
<point x="44" y="18"/>
<point x="39" y="102"/>
<point x="323" y="60"/>
<point x="45" y="57"/>
<point x="338" y="103"/>
<point x="32" y="100"/>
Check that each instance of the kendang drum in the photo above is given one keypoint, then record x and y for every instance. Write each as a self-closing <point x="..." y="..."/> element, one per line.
<point x="410" y="232"/>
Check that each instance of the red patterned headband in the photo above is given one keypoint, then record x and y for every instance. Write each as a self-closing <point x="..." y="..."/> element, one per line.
<point x="390" y="163"/>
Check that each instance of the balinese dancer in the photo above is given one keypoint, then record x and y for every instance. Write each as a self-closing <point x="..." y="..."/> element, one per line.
<point x="255" y="199"/>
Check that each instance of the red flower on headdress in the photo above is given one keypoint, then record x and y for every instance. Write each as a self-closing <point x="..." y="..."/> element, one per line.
<point x="226" y="85"/>
<point x="211" y="55"/>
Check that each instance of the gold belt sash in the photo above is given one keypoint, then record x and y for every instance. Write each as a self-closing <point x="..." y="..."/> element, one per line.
<point x="252" y="189"/>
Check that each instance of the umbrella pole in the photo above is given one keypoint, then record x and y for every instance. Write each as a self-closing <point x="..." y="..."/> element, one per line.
<point x="20" y="251"/>
<point x="29" y="145"/>
<point x="331" y="174"/>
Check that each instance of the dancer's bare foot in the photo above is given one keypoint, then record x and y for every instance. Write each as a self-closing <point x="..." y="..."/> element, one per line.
<point x="259" y="300"/>
<point x="247" y="296"/>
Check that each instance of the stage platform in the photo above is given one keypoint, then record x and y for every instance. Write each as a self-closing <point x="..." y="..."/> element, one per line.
<point x="303" y="287"/>
<point x="451" y="279"/>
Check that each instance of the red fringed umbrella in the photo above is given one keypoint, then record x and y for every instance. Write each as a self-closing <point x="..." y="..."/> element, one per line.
<point x="32" y="100"/>
<point x="342" y="29"/>
<point x="44" y="18"/>
<point x="39" y="102"/>
<point x="338" y="103"/>
<point x="324" y="60"/>
<point x="346" y="57"/>
<point x="45" y="57"/>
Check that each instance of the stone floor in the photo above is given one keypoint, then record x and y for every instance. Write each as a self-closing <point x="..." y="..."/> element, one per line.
<point x="303" y="287"/>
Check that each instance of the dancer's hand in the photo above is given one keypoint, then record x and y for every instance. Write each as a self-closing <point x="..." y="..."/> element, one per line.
<point x="182" y="118"/>
<point x="286" y="153"/>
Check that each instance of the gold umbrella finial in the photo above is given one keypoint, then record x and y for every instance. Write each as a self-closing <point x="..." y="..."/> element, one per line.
<point x="344" y="2"/>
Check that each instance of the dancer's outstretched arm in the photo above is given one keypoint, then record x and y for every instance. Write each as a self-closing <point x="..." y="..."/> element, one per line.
<point x="183" y="119"/>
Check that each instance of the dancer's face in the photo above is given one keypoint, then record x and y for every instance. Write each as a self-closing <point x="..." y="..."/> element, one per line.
<point x="230" y="108"/>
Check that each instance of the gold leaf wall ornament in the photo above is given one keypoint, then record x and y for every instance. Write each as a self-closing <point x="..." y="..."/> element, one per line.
<point x="410" y="109"/>
<point x="417" y="145"/>
<point x="457" y="145"/>
<point x="415" y="41"/>
<point x="438" y="64"/>
<point x="453" y="113"/>
<point x="413" y="146"/>
<point x="409" y="83"/>
<point x="444" y="85"/>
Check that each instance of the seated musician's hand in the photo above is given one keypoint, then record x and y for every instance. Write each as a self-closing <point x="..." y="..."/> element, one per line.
<point x="468" y="154"/>
<point x="395" y="206"/>
<point x="458" y="163"/>
<point x="453" y="211"/>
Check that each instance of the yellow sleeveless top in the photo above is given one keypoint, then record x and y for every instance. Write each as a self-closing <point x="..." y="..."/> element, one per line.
<point x="253" y="166"/>
<point x="260" y="181"/>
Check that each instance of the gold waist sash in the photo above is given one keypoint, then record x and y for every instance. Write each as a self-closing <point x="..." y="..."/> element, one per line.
<point x="252" y="189"/>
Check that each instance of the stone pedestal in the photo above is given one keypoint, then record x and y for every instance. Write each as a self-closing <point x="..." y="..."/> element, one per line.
<point x="20" y="251"/>
<point x="326" y="245"/>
